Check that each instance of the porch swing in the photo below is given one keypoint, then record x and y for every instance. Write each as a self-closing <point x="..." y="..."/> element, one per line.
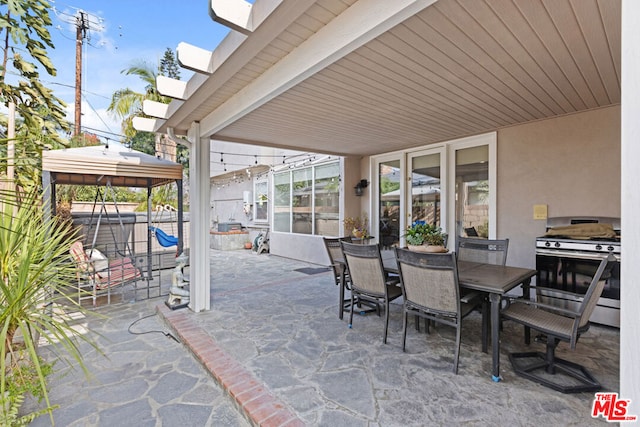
<point x="97" y="271"/>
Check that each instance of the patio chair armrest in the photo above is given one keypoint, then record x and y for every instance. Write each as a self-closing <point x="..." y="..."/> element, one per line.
<point x="557" y="291"/>
<point x="471" y="297"/>
<point x="547" y="307"/>
<point x="392" y="280"/>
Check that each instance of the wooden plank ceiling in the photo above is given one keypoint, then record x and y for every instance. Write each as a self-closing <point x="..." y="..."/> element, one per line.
<point x="457" y="68"/>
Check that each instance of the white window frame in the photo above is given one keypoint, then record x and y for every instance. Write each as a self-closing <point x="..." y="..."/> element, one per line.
<point x="448" y="150"/>
<point x="257" y="182"/>
<point x="490" y="140"/>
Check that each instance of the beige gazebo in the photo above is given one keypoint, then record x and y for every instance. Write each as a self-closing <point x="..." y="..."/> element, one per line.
<point x="114" y="166"/>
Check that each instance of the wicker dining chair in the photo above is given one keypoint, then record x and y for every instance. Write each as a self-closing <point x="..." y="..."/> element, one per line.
<point x="558" y="324"/>
<point x="369" y="282"/>
<point x="430" y="290"/>
<point x="334" y="251"/>
<point x="485" y="251"/>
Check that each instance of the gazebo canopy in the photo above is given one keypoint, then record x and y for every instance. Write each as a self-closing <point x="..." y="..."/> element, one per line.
<point x="97" y="165"/>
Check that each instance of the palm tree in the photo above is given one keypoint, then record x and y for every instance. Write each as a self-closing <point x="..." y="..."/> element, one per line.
<point x="127" y="103"/>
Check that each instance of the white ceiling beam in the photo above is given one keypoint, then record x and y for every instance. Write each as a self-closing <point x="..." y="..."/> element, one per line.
<point x="155" y="109"/>
<point x="235" y="14"/>
<point x="234" y="52"/>
<point x="195" y="58"/>
<point x="144" y="124"/>
<point x="171" y="87"/>
<point x="359" y="24"/>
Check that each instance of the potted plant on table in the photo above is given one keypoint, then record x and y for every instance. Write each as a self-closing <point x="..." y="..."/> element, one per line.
<point x="424" y="237"/>
<point x="357" y="227"/>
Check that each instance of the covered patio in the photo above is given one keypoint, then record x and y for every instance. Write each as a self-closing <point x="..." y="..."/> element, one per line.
<point x="362" y="78"/>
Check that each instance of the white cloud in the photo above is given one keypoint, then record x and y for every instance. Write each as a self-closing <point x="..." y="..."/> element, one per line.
<point x="97" y="121"/>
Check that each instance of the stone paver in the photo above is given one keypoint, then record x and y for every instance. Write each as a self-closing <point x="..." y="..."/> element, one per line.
<point x="272" y="351"/>
<point x="142" y="380"/>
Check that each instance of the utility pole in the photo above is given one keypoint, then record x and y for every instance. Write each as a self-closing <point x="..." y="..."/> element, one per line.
<point x="82" y="25"/>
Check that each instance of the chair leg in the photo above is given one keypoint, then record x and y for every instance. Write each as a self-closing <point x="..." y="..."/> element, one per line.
<point x="386" y="320"/>
<point x="457" y="352"/>
<point x="405" y="320"/>
<point x="351" y="309"/>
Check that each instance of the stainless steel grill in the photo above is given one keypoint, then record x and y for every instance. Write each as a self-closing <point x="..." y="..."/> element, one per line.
<point x="565" y="262"/>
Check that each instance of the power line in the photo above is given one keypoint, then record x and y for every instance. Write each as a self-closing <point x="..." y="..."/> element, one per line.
<point x="96" y="113"/>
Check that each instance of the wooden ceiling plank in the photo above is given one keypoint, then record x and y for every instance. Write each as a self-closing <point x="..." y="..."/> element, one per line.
<point x="486" y="37"/>
<point x="560" y="65"/>
<point x="423" y="62"/>
<point x="592" y="25"/>
<point x="564" y="17"/>
<point x="357" y="25"/>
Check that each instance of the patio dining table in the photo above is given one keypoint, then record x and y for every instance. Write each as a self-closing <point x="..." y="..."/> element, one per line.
<point x="495" y="280"/>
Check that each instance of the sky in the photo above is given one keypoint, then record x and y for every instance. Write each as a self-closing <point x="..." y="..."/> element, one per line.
<point x="122" y="33"/>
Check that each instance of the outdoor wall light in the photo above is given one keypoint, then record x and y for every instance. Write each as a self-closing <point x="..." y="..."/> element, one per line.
<point x="360" y="186"/>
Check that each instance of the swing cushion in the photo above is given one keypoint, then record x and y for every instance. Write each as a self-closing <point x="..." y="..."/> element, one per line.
<point x="97" y="259"/>
<point x="118" y="271"/>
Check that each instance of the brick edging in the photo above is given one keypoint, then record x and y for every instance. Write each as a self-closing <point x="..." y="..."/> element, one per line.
<point x="259" y="405"/>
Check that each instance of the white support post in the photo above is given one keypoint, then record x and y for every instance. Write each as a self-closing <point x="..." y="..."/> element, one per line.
<point x="199" y="201"/>
<point x="630" y="206"/>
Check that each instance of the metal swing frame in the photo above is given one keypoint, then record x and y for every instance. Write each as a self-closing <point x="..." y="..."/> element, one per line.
<point x="123" y="268"/>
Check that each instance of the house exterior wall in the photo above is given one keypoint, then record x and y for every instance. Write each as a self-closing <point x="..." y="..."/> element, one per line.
<point x="570" y="163"/>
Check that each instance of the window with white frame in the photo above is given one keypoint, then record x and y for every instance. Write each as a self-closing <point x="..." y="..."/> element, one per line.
<point x="306" y="200"/>
<point x="261" y="200"/>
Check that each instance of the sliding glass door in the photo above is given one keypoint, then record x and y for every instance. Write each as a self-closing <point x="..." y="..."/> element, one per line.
<point x="426" y="187"/>
<point x="452" y="185"/>
<point x="390" y="187"/>
<point x="472" y="170"/>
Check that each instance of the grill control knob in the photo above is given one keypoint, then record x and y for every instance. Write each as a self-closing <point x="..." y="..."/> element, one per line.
<point x="598" y="247"/>
<point x="547" y="244"/>
<point x="610" y="248"/>
<point x="557" y="245"/>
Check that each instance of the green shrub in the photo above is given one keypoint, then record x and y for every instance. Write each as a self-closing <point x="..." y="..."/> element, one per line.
<point x="35" y="266"/>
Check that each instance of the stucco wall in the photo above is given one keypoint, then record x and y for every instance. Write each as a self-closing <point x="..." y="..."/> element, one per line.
<point x="571" y="164"/>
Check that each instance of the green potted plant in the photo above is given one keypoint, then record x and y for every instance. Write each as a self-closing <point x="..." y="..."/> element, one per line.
<point x="425" y="237"/>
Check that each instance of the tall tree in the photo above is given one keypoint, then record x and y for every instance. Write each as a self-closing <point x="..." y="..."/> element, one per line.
<point x="127" y="104"/>
<point x="169" y="65"/>
<point x="24" y="39"/>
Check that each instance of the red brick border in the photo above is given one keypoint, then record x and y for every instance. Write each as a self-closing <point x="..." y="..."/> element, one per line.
<point x="259" y="405"/>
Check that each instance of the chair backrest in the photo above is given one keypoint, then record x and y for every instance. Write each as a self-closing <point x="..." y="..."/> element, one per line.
<point x="430" y="280"/>
<point x="77" y="252"/>
<point x="486" y="251"/>
<point x="594" y="291"/>
<point x="80" y="256"/>
<point x="334" y="250"/>
<point x="366" y="271"/>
